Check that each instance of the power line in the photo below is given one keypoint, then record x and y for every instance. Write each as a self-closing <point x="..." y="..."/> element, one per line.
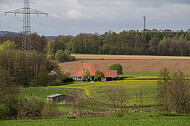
<point x="26" y="11"/>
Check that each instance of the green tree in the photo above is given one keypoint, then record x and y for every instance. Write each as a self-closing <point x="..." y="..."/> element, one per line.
<point x="25" y="66"/>
<point x="153" y="46"/>
<point x="8" y="45"/>
<point x="98" y="75"/>
<point x="39" y="43"/>
<point x="64" y="56"/>
<point x="9" y="95"/>
<point x="61" y="56"/>
<point x="117" y="67"/>
<point x="86" y="75"/>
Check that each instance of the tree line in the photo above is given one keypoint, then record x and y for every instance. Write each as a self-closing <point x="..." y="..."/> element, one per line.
<point x="31" y="68"/>
<point x="147" y="42"/>
<point x="132" y="43"/>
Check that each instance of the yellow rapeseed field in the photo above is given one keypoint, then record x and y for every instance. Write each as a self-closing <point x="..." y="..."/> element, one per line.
<point x="147" y="87"/>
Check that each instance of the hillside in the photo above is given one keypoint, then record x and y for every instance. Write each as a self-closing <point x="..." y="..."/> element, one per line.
<point x="133" y="63"/>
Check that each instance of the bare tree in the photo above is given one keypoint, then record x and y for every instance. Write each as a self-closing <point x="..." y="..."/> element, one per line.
<point x="79" y="101"/>
<point x="162" y="90"/>
<point x="179" y="93"/>
<point x="173" y="92"/>
<point x="117" y="96"/>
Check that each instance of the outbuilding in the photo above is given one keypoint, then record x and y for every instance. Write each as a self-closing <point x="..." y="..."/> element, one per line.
<point x="60" y="98"/>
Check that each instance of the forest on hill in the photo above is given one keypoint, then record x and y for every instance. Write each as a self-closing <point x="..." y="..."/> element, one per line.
<point x="147" y="42"/>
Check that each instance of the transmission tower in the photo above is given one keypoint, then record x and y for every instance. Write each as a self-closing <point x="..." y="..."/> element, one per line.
<point x="144" y="17"/>
<point x="26" y="11"/>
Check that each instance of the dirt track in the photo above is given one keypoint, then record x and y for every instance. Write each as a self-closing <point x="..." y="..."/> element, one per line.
<point x="88" y="56"/>
<point x="136" y="65"/>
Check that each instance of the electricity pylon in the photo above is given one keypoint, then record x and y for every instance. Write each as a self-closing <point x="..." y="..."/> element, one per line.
<point x="26" y="11"/>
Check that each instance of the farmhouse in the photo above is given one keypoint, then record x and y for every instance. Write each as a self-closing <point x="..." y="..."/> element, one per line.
<point x="80" y="69"/>
<point x="59" y="98"/>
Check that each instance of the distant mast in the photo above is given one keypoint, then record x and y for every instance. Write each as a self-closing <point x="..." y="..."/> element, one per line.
<point x="144" y="17"/>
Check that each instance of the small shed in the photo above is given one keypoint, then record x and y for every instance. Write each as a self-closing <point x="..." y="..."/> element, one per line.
<point x="60" y="98"/>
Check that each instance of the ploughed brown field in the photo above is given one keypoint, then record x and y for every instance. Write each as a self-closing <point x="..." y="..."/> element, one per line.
<point x="133" y="63"/>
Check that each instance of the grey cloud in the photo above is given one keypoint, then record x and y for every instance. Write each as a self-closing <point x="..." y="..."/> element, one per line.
<point x="99" y="15"/>
<point x="10" y="1"/>
<point x="156" y="3"/>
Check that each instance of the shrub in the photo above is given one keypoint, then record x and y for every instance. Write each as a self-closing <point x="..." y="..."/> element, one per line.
<point x="71" y="117"/>
<point x="50" y="110"/>
<point x="161" y="113"/>
<point x="31" y="109"/>
<point x="120" y="113"/>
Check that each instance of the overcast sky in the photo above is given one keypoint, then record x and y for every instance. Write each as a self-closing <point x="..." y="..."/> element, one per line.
<point x="71" y="17"/>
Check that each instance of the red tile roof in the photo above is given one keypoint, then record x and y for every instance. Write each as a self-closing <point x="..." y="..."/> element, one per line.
<point x="110" y="73"/>
<point x="92" y="68"/>
<point x="82" y="67"/>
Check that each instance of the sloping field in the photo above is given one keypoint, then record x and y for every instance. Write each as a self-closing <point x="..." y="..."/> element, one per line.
<point x="98" y="89"/>
<point x="137" y="63"/>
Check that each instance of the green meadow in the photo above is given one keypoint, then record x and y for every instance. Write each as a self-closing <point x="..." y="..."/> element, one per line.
<point x="129" y="120"/>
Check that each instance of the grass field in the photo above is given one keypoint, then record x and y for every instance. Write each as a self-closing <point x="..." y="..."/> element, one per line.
<point x="130" y="120"/>
<point x="41" y="92"/>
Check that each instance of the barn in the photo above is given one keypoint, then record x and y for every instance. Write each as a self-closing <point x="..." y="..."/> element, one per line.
<point x="80" y="69"/>
<point x="60" y="98"/>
